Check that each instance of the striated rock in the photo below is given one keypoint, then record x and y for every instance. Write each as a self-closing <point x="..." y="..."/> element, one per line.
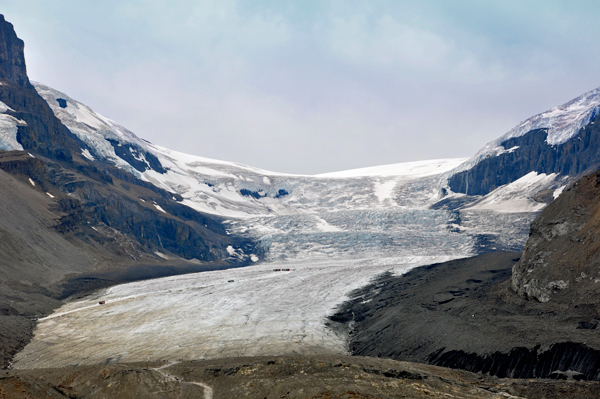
<point x="12" y="59"/>
<point x="531" y="152"/>
<point x="561" y="261"/>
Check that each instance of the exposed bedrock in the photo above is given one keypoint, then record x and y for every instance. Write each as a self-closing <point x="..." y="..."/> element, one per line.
<point x="464" y="314"/>
<point x="576" y="156"/>
<point x="561" y="262"/>
<point x="12" y="58"/>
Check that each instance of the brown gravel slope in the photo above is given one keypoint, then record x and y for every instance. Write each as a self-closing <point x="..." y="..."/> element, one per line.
<point x="278" y="377"/>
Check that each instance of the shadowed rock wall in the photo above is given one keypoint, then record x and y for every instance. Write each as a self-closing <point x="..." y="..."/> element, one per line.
<point x="576" y="156"/>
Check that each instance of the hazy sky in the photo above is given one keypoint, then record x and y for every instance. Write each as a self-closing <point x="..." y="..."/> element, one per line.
<point x="314" y="86"/>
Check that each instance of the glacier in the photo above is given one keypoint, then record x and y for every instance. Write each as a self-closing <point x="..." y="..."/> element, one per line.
<point x="8" y="129"/>
<point x="335" y="232"/>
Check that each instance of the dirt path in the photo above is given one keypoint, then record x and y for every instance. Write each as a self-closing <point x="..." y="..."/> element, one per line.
<point x="208" y="392"/>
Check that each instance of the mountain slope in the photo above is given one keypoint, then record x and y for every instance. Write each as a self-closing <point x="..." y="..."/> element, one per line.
<point x="564" y="140"/>
<point x="70" y="224"/>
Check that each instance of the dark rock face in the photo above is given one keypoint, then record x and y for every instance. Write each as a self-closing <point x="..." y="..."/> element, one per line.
<point x="131" y="155"/>
<point x="561" y="261"/>
<point x="44" y="134"/>
<point x="12" y="59"/>
<point x="578" y="155"/>
<point x="559" y="359"/>
<point x="62" y="102"/>
<point x="464" y="314"/>
<point x="262" y="194"/>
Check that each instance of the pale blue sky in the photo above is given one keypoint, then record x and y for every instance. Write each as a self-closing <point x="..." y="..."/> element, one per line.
<point x="314" y="86"/>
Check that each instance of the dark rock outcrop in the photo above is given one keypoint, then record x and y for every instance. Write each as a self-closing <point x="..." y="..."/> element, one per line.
<point x="43" y="134"/>
<point x="561" y="262"/>
<point x="12" y="58"/>
<point x="556" y="362"/>
<point x="577" y="156"/>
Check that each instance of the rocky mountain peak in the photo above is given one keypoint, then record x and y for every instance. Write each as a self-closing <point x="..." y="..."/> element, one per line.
<point x="12" y="58"/>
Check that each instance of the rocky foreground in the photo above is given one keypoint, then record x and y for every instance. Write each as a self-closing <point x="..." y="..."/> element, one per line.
<point x="278" y="377"/>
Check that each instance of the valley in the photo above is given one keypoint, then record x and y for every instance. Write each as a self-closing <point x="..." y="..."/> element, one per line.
<point x="125" y="259"/>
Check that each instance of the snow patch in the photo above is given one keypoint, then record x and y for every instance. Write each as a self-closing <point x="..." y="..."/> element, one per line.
<point x="384" y="190"/>
<point x="502" y="150"/>
<point x="50" y="195"/>
<point x="558" y="191"/>
<point x="159" y="208"/>
<point x="32" y="182"/>
<point x="4" y="108"/>
<point x="326" y="227"/>
<point x="516" y="196"/>
<point x="86" y="153"/>
<point x="8" y="129"/>
<point x="407" y="169"/>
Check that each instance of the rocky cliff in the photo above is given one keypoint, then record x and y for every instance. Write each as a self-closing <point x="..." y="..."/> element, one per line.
<point x="561" y="262"/>
<point x="12" y="58"/>
<point x="531" y="152"/>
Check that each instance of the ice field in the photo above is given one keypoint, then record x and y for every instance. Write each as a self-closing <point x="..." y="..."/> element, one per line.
<point x="206" y="315"/>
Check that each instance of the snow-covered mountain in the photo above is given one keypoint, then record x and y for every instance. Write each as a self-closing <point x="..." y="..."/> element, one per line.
<point x="563" y="141"/>
<point x="390" y="211"/>
<point x="386" y="211"/>
<point x="310" y="240"/>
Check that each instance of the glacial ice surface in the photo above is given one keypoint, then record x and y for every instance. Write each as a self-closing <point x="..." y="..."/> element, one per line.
<point x="237" y="312"/>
